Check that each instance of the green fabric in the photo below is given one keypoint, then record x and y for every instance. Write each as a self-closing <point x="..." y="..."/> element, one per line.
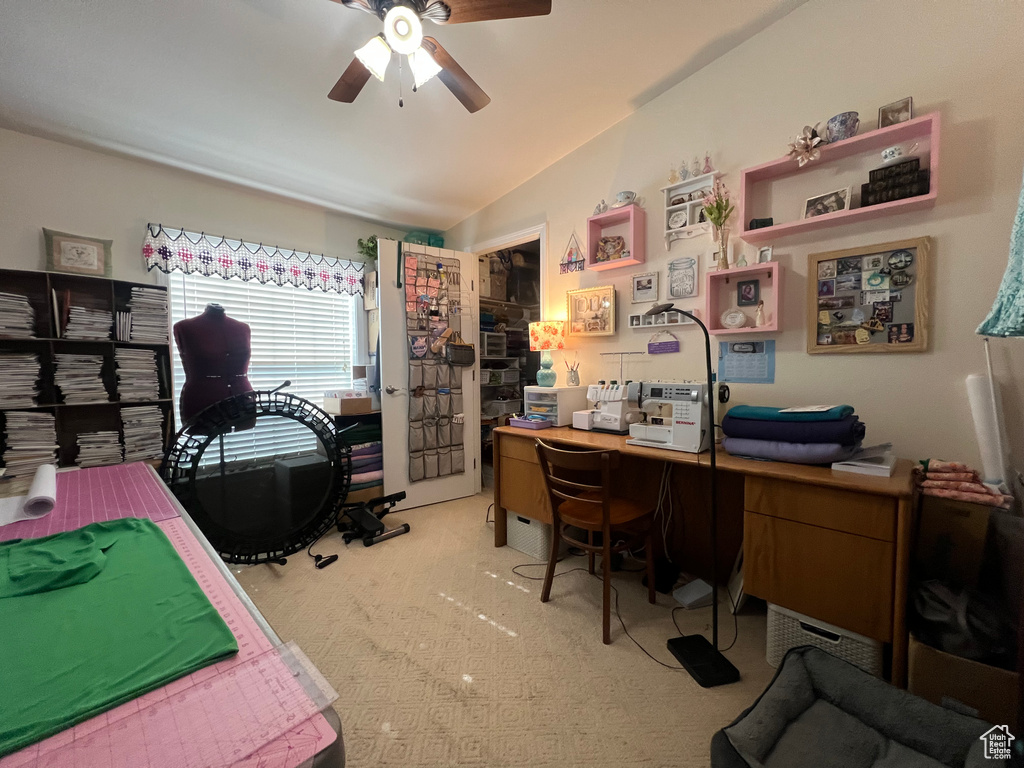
<point x="93" y="618"/>
<point x="765" y="413"/>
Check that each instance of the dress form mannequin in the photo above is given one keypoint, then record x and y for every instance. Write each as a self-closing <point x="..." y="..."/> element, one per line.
<point x="215" y="354"/>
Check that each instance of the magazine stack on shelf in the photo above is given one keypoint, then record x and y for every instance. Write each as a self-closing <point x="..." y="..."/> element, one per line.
<point x="17" y="318"/>
<point x="29" y="442"/>
<point x="136" y="374"/>
<point x="148" y="315"/>
<point x="143" y="433"/>
<point x="98" y="449"/>
<point x="88" y="324"/>
<point x="79" y="378"/>
<point x="19" y="379"/>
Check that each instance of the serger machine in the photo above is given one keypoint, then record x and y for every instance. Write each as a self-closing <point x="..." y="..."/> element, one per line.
<point x="675" y="416"/>
<point x="612" y="411"/>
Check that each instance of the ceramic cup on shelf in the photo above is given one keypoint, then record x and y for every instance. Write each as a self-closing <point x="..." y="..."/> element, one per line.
<point x="894" y="153"/>
<point x="843" y="126"/>
<point x="624" y="198"/>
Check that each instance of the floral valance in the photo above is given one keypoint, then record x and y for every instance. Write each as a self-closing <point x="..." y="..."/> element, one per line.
<point x="207" y="255"/>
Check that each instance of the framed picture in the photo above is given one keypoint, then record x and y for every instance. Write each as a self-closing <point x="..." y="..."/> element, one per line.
<point x="645" y="287"/>
<point x="764" y="254"/>
<point x="748" y="293"/>
<point x="830" y="202"/>
<point x="897" y="112"/>
<point x="591" y="311"/>
<point x="862" y="311"/>
<point x="77" y="255"/>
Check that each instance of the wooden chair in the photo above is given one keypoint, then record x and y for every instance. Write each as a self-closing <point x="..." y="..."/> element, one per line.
<point x="579" y="484"/>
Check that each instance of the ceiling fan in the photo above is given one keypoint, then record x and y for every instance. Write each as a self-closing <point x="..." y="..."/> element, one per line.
<point x="403" y="34"/>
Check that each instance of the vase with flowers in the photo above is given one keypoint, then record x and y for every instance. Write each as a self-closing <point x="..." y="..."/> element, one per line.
<point x="717" y="210"/>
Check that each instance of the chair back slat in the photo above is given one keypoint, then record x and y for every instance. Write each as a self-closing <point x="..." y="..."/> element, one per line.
<point x="571" y="476"/>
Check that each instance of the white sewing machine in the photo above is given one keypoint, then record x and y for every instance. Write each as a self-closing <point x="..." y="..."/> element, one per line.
<point x="612" y="411"/>
<point x="675" y="416"/>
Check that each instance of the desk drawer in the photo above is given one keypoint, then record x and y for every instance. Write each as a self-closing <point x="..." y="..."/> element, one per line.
<point x="861" y="514"/>
<point x="515" y="447"/>
<point x="836" y="577"/>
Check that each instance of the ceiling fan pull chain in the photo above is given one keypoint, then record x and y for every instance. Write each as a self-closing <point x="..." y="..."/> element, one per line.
<point x="401" y="101"/>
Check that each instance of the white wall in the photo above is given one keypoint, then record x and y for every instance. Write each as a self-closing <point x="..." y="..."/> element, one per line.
<point x="49" y="184"/>
<point x="958" y="57"/>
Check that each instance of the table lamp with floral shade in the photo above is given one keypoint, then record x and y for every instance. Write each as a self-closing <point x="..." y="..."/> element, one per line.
<point x="545" y="336"/>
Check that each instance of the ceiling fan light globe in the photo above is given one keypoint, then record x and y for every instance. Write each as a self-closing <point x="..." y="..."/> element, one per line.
<point x="423" y="66"/>
<point x="375" y="56"/>
<point x="403" y="29"/>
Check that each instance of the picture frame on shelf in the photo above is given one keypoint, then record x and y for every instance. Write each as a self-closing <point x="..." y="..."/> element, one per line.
<point x="764" y="254"/>
<point x="77" y="255"/>
<point x="591" y="311"/>
<point x="830" y="202"/>
<point x="897" y="112"/>
<point x="748" y="293"/>
<point x="857" y="317"/>
<point x="645" y="287"/>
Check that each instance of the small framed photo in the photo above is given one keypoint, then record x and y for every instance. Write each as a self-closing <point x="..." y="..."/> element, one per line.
<point x="591" y="311"/>
<point x="77" y="255"/>
<point x="830" y="202"/>
<point x="897" y="112"/>
<point x="748" y="293"/>
<point x="645" y="287"/>
<point x="764" y="254"/>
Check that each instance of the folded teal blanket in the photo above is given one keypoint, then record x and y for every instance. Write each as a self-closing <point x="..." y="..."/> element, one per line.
<point x="766" y="413"/>
<point x="794" y="453"/>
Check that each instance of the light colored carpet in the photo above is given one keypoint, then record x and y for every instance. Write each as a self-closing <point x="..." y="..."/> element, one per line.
<point x="442" y="656"/>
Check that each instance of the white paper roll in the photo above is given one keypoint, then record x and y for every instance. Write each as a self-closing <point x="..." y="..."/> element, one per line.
<point x="40" y="501"/>
<point x="986" y="426"/>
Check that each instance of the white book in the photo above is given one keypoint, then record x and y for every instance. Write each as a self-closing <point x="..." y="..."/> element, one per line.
<point x="877" y="460"/>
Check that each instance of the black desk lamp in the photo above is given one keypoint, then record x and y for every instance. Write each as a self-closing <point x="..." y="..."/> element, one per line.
<point x="702" y="659"/>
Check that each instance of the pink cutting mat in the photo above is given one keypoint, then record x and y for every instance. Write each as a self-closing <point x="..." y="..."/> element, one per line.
<point x="95" y="495"/>
<point x="120" y="737"/>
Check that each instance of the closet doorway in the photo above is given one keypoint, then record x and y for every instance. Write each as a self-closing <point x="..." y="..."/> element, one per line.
<point x="510" y="299"/>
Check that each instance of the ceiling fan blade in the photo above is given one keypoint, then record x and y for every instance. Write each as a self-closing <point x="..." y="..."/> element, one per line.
<point x="359" y="5"/>
<point x="456" y="78"/>
<point x="350" y="83"/>
<point x="463" y="11"/>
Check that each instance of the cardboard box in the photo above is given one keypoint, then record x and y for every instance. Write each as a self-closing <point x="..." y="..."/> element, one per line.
<point x="499" y="287"/>
<point x="962" y="684"/>
<point x="485" y="277"/>
<point x="343" y="402"/>
<point x="950" y="543"/>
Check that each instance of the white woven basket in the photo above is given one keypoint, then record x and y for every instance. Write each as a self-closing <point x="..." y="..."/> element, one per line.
<point x="789" y="629"/>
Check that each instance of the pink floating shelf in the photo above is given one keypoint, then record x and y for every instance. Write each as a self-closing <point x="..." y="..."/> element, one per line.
<point x="925" y="127"/>
<point x="718" y="284"/>
<point x="633" y="219"/>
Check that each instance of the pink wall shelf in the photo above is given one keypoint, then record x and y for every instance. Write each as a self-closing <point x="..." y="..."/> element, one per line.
<point x="629" y="222"/>
<point x="720" y="295"/>
<point x="920" y="129"/>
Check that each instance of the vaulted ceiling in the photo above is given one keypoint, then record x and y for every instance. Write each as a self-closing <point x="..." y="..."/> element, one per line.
<point x="237" y="89"/>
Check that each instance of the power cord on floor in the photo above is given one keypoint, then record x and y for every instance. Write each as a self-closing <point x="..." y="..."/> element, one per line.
<point x="487" y="514"/>
<point x="320" y="561"/>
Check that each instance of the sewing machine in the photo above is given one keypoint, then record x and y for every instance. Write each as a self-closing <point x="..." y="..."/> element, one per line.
<point x="612" y="411"/>
<point x="674" y="416"/>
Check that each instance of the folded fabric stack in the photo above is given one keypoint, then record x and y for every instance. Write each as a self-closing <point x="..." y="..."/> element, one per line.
<point x="808" y="437"/>
<point x="952" y="480"/>
<point x="367" y="456"/>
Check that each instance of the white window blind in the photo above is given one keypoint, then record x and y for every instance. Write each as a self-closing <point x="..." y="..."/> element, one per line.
<point x="298" y="335"/>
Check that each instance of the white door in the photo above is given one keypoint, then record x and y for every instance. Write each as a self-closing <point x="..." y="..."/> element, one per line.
<point x="394" y="378"/>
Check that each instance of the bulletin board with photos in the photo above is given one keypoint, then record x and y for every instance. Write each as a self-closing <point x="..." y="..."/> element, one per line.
<point x="869" y="299"/>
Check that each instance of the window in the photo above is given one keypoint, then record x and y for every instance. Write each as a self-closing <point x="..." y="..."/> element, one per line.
<point x="298" y="335"/>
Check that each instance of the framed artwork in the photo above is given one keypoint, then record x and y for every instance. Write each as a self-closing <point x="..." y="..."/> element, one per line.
<point x="830" y="202"/>
<point x="748" y="293"/>
<point x="77" y="255"/>
<point x="876" y="300"/>
<point x="591" y="311"/>
<point x="572" y="259"/>
<point x="898" y="112"/>
<point x="645" y="287"/>
<point x="764" y="254"/>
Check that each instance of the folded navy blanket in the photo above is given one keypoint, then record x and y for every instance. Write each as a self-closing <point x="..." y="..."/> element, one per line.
<point x="795" y="453"/>
<point x="368" y="466"/>
<point x="765" y="413"/>
<point x="844" y="431"/>
<point x="366" y="449"/>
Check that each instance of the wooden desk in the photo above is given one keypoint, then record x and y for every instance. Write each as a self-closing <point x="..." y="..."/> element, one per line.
<point x="832" y="545"/>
